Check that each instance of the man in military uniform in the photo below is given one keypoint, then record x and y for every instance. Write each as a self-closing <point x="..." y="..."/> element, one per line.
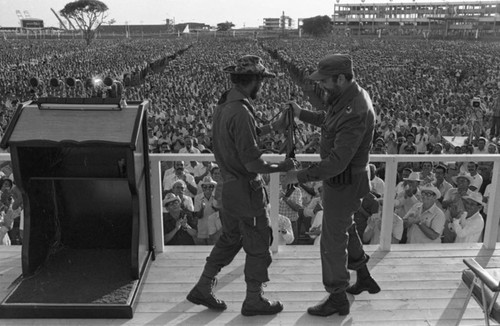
<point x="346" y="138"/>
<point x="244" y="216"/>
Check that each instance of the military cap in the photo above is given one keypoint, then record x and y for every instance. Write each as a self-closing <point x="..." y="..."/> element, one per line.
<point x="332" y="65"/>
<point x="249" y="65"/>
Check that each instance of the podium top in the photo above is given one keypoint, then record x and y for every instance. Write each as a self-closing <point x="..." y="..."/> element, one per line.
<point x="75" y="124"/>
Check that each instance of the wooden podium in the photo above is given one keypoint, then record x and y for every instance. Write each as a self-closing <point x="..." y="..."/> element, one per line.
<point x="82" y="167"/>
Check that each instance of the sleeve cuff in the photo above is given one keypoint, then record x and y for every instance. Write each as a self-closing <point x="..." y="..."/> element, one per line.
<point x="306" y="116"/>
<point x="302" y="176"/>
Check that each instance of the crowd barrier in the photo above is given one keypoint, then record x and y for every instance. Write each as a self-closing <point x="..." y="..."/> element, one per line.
<point x="391" y="161"/>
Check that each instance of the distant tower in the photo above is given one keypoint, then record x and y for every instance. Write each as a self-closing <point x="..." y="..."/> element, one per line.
<point x="283" y="20"/>
<point x="20" y="16"/>
<point x="27" y="14"/>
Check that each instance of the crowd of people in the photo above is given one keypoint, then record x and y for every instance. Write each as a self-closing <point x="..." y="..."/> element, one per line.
<point x="427" y="95"/>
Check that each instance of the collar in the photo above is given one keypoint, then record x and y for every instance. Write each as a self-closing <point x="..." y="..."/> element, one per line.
<point x="431" y="209"/>
<point x="237" y="94"/>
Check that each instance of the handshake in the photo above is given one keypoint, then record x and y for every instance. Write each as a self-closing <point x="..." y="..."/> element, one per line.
<point x="289" y="165"/>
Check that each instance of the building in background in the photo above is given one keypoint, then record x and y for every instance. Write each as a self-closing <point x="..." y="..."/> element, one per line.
<point x="442" y="18"/>
<point x="281" y="23"/>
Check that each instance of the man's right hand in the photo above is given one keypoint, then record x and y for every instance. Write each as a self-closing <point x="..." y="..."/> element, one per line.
<point x="288" y="164"/>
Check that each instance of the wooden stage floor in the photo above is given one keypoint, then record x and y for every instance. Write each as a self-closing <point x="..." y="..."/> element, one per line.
<point x="420" y="286"/>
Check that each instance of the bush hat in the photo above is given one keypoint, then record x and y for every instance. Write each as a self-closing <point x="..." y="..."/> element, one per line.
<point x="208" y="181"/>
<point x="170" y="197"/>
<point x="249" y="65"/>
<point x="463" y="175"/>
<point x="332" y="65"/>
<point x="414" y="176"/>
<point x="431" y="187"/>
<point x="475" y="196"/>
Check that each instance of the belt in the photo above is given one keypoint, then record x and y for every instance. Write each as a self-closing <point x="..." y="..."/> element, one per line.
<point x="346" y="176"/>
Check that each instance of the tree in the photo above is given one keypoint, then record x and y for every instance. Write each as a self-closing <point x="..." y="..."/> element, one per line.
<point x="88" y="15"/>
<point x="223" y="27"/>
<point x="317" y="26"/>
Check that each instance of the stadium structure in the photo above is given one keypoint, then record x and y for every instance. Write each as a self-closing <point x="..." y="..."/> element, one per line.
<point x="283" y="22"/>
<point x="438" y="18"/>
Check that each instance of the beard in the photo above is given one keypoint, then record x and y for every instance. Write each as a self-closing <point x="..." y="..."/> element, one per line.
<point x="254" y="92"/>
<point x="329" y="97"/>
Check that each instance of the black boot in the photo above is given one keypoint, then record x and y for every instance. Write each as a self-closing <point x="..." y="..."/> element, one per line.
<point x="364" y="282"/>
<point x="336" y="303"/>
<point x="203" y="294"/>
<point x="256" y="304"/>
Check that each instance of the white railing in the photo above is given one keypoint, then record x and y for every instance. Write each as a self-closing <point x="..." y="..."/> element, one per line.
<point x="391" y="161"/>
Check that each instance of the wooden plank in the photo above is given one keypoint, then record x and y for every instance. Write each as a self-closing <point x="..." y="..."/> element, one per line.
<point x="290" y="295"/>
<point x="420" y="286"/>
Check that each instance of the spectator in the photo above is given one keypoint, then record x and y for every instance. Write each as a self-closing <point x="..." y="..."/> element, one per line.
<point x="180" y="174"/>
<point x="477" y="179"/>
<point x="369" y="207"/>
<point x="209" y="223"/>
<point x="179" y="226"/>
<point x="285" y="230"/>
<point x="371" y="234"/>
<point x="469" y="225"/>
<point x="426" y="174"/>
<point x="376" y="183"/>
<point x="315" y="205"/>
<point x="440" y="181"/>
<point x="290" y="203"/>
<point x="188" y="146"/>
<point x="312" y="203"/>
<point x="179" y="189"/>
<point x="410" y="195"/>
<point x="425" y="221"/>
<point x="454" y="195"/>
<point x="481" y="146"/>
<point x="315" y="230"/>
<point x="495" y="120"/>
<point x="409" y="146"/>
<point x="421" y="141"/>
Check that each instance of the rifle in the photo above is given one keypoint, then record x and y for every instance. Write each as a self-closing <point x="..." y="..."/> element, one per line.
<point x="289" y="146"/>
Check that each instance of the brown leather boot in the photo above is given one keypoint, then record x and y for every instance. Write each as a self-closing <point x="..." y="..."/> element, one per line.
<point x="256" y="304"/>
<point x="202" y="294"/>
<point x="336" y="303"/>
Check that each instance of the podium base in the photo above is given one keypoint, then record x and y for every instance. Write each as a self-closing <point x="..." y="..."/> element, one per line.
<point x="77" y="283"/>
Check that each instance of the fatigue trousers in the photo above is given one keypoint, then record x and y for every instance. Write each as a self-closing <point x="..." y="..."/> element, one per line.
<point x="253" y="234"/>
<point x="340" y="245"/>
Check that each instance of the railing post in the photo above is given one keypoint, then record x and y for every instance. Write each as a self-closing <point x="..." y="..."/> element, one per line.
<point x="275" y="202"/>
<point x="391" y="170"/>
<point x="493" y="213"/>
<point x="156" y="202"/>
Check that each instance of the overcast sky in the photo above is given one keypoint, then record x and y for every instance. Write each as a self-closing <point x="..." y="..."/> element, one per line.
<point x="249" y="13"/>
